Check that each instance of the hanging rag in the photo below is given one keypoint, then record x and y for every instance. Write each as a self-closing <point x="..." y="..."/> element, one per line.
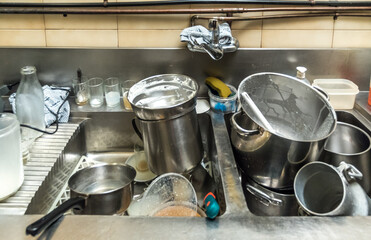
<point x="198" y="35"/>
<point x="53" y="99"/>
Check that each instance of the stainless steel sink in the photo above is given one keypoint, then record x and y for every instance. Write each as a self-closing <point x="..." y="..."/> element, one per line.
<point x="107" y="137"/>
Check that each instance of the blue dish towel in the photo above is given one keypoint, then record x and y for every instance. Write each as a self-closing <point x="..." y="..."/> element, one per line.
<point x="53" y="99"/>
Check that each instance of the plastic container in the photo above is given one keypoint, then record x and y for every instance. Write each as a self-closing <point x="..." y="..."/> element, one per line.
<point x="342" y="92"/>
<point x="224" y="105"/>
<point x="11" y="165"/>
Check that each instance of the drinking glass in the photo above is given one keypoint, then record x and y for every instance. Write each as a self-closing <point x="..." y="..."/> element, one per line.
<point x="80" y="88"/>
<point x="126" y="85"/>
<point x="112" y="91"/>
<point x="96" y="91"/>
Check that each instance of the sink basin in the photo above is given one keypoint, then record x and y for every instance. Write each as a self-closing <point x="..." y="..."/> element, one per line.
<point x="108" y="137"/>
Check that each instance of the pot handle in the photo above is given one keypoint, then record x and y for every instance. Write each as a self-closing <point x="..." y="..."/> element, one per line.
<point x="240" y="130"/>
<point x="349" y="171"/>
<point x="44" y="222"/>
<point x="263" y="197"/>
<point x="136" y="129"/>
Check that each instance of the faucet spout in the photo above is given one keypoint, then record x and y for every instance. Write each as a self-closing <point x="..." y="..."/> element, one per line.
<point x="215" y="53"/>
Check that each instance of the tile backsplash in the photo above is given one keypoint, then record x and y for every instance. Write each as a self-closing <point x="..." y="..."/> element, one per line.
<point x="162" y="31"/>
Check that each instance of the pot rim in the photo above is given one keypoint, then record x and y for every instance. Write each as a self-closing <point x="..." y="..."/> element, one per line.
<point x="191" y="97"/>
<point x="351" y="154"/>
<point x="76" y="174"/>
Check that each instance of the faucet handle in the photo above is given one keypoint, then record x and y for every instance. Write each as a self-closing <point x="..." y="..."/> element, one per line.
<point x="213" y="24"/>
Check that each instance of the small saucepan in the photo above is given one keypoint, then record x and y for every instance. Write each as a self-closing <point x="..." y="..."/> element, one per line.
<point x="97" y="190"/>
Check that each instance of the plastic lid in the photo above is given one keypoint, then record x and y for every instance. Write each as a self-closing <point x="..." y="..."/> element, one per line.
<point x="336" y="86"/>
<point x="7" y="122"/>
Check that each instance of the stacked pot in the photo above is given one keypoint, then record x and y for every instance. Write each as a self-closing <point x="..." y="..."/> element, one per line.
<point x="282" y="167"/>
<point x="301" y="121"/>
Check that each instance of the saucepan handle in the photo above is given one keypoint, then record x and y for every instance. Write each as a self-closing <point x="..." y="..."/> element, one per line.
<point x="44" y="222"/>
<point x="240" y="130"/>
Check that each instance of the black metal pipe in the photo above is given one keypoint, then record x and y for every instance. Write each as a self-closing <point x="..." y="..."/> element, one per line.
<point x="192" y="2"/>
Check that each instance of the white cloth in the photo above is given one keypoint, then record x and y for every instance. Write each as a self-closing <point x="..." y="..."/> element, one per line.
<point x="197" y="35"/>
<point x="53" y="99"/>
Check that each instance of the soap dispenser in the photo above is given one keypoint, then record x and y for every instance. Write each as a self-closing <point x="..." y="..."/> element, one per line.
<point x="300" y="74"/>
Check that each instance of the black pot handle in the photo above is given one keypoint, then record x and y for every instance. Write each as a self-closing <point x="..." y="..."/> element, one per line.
<point x="136" y="129"/>
<point x="44" y="222"/>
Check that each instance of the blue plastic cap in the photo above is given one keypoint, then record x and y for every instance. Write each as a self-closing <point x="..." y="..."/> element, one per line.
<point x="211" y="206"/>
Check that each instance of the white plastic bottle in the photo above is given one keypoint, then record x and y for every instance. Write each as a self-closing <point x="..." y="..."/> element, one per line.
<point x="30" y="107"/>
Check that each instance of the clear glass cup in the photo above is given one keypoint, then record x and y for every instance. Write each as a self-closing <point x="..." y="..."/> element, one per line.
<point x="81" y="90"/>
<point x="96" y="91"/>
<point x="112" y="91"/>
<point x="125" y="86"/>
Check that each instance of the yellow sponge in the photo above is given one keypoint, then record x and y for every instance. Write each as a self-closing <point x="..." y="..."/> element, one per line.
<point x="220" y="87"/>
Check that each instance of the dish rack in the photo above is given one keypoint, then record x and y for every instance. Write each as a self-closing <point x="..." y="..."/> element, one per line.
<point x="65" y="191"/>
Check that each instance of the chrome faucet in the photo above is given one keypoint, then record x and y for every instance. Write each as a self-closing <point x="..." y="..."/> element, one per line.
<point x="216" y="43"/>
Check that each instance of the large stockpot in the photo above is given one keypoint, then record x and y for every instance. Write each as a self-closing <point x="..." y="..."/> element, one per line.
<point x="352" y="145"/>
<point x="165" y="106"/>
<point x="301" y="118"/>
<point x="269" y="159"/>
<point x="263" y="201"/>
<point x="97" y="190"/>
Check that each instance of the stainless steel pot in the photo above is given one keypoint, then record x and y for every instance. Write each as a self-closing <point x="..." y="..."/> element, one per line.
<point x="301" y="121"/>
<point x="165" y="107"/>
<point x="323" y="190"/>
<point x="269" y="159"/>
<point x="262" y="201"/>
<point x="97" y="190"/>
<point x="352" y="145"/>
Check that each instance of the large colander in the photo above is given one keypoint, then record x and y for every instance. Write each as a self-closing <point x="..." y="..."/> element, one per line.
<point x="295" y="110"/>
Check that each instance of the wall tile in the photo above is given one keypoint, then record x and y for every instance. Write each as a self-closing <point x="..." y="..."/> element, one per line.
<point x="155" y="21"/>
<point x="251" y="24"/>
<point x="248" y="38"/>
<point x="352" y="38"/>
<point x="22" y="1"/>
<point x="353" y="23"/>
<point x="81" y="22"/>
<point x="297" y="38"/>
<point x="81" y="38"/>
<point x="22" y="38"/>
<point x="21" y="21"/>
<point x="326" y="23"/>
<point x="295" y="23"/>
<point x="150" y="38"/>
<point x="152" y="22"/>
